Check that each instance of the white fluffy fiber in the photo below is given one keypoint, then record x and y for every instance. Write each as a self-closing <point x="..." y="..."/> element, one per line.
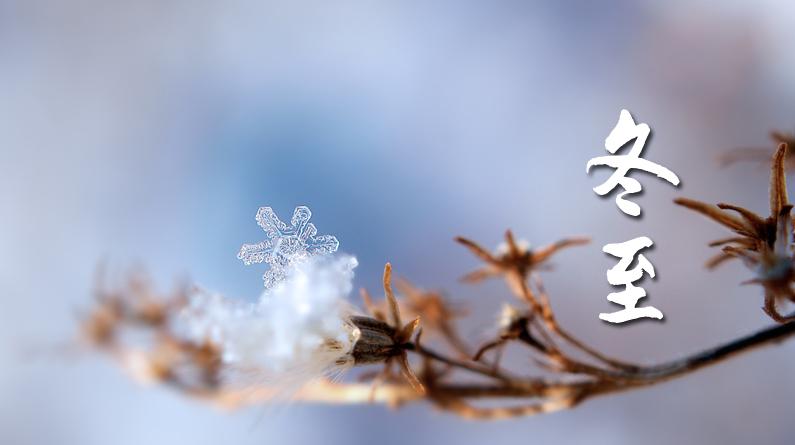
<point x="289" y="330"/>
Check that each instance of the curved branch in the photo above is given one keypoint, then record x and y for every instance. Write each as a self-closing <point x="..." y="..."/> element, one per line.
<point x="550" y="395"/>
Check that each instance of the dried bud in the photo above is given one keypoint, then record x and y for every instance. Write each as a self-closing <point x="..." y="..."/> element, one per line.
<point x="376" y="342"/>
<point x="511" y="319"/>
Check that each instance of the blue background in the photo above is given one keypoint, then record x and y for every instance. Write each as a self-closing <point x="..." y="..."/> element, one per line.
<point x="149" y="132"/>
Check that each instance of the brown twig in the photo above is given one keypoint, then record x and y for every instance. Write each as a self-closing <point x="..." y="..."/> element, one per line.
<point x="543" y="394"/>
<point x="450" y="379"/>
<point x="549" y="396"/>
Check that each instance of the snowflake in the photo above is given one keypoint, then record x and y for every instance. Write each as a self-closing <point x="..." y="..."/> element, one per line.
<point x="286" y="245"/>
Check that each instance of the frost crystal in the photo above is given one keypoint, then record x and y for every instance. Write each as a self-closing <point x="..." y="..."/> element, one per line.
<point x="286" y="246"/>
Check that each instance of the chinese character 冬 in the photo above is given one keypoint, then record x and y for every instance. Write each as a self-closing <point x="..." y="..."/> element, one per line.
<point x="621" y="275"/>
<point x="626" y="130"/>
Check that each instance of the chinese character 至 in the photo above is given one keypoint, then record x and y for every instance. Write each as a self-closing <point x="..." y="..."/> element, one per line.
<point x="621" y="275"/>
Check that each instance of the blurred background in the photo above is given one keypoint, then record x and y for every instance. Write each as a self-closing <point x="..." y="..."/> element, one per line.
<point x="149" y="132"/>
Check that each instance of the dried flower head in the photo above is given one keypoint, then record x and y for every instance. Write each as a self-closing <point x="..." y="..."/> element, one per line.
<point x="515" y="261"/>
<point x="758" y="154"/>
<point x="513" y="324"/>
<point x="135" y="304"/>
<point x="512" y="256"/>
<point x="99" y="327"/>
<point x="764" y="244"/>
<point x="388" y="337"/>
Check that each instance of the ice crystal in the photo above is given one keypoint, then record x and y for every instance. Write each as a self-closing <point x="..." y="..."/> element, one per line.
<point x="285" y="245"/>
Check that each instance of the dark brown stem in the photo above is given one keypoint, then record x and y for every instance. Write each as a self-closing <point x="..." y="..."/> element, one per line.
<point x="617" y="381"/>
<point x="467" y="365"/>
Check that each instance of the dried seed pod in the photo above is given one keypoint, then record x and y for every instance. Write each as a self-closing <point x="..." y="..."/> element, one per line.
<point x="376" y="342"/>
